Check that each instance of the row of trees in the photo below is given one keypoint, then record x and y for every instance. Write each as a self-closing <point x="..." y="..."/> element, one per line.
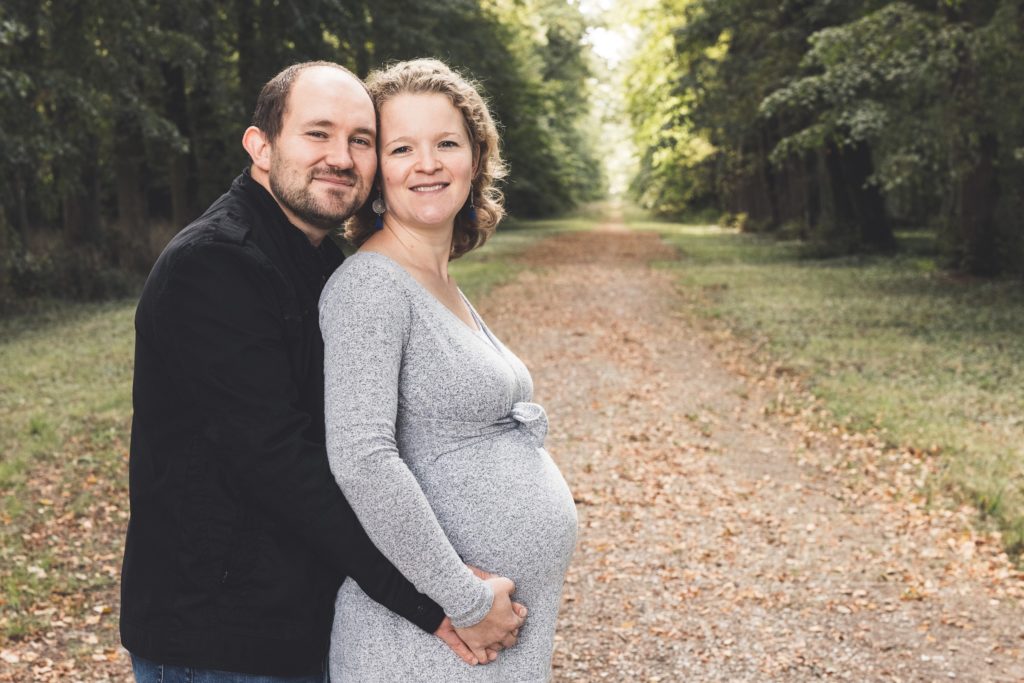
<point x="839" y="120"/>
<point x="120" y="117"/>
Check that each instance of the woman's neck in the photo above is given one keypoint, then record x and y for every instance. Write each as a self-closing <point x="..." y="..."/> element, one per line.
<point x="425" y="249"/>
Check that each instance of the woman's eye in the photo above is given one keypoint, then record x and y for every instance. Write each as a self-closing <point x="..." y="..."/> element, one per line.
<point x="401" y="150"/>
<point x="449" y="143"/>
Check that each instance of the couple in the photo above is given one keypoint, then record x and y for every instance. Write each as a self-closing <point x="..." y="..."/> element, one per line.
<point x="442" y="495"/>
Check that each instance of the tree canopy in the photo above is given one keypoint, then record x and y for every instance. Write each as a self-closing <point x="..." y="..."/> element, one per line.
<point x="119" y="117"/>
<point x="838" y="120"/>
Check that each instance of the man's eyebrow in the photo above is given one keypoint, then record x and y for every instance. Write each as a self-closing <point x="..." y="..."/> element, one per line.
<point x="325" y="123"/>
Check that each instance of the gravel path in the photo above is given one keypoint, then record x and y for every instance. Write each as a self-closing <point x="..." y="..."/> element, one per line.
<point x="722" y="537"/>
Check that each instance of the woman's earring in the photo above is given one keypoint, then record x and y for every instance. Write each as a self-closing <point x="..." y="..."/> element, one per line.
<point x="471" y="210"/>
<point x="379" y="207"/>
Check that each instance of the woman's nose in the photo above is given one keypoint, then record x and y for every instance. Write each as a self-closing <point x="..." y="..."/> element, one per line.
<point x="428" y="161"/>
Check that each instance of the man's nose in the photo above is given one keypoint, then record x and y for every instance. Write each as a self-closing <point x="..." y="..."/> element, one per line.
<point x="339" y="156"/>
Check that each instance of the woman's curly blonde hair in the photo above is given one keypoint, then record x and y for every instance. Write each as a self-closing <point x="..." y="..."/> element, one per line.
<point x="420" y="76"/>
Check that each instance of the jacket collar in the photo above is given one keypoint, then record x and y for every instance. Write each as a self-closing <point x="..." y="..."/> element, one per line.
<point x="314" y="263"/>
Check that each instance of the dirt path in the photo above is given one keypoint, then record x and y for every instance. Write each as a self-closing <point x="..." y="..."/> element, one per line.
<point x="719" y="540"/>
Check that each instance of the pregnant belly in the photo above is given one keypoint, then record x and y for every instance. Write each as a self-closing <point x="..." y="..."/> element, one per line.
<point x="505" y="508"/>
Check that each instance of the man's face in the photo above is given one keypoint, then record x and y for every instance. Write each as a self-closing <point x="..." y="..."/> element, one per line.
<point x="323" y="162"/>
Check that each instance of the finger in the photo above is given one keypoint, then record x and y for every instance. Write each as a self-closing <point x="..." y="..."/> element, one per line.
<point x="520" y="609"/>
<point x="492" y="653"/>
<point x="450" y="638"/>
<point x="510" y="640"/>
<point x="463" y="651"/>
<point x="480" y="654"/>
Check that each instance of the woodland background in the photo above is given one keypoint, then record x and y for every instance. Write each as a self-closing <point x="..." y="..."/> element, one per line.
<point x="841" y="183"/>
<point x="120" y="121"/>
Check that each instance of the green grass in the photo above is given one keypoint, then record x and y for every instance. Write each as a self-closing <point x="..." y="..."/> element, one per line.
<point x="478" y="271"/>
<point x="64" y="372"/>
<point x="890" y="343"/>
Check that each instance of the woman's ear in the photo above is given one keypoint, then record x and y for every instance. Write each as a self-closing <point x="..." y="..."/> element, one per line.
<point x="258" y="146"/>
<point x="478" y="152"/>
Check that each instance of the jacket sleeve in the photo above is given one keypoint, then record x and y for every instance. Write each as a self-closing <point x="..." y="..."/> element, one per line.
<point x="365" y="318"/>
<point x="219" y="321"/>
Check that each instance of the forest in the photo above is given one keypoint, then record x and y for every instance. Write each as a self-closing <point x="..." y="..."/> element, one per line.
<point x="838" y="122"/>
<point x="120" y="121"/>
<point x="835" y="122"/>
<point x="764" y="260"/>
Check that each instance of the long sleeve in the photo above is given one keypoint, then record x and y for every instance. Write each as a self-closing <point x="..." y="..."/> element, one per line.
<point x="223" y="338"/>
<point x="365" y="318"/>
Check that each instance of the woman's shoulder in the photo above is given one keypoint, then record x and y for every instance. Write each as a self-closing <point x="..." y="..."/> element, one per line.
<point x="366" y="278"/>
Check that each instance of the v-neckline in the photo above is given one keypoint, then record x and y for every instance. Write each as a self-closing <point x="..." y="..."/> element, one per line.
<point x="430" y="295"/>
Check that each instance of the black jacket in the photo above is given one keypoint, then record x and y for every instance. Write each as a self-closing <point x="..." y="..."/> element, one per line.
<point x="239" y="536"/>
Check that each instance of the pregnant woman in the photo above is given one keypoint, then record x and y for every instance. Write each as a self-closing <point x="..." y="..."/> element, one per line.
<point x="431" y="431"/>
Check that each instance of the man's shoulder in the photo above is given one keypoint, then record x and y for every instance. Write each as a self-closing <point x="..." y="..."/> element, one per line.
<point x="224" y="230"/>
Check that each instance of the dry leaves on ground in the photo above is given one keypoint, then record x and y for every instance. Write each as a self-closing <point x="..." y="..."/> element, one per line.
<point x="725" y="536"/>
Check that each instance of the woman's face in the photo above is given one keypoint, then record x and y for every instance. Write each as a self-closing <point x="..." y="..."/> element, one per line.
<point x="426" y="159"/>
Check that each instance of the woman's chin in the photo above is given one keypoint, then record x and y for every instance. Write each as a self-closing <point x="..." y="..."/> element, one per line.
<point x="436" y="218"/>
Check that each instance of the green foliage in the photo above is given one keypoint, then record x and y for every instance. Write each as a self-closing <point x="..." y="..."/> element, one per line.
<point x="119" y="117"/>
<point x="673" y="176"/>
<point x="834" y="119"/>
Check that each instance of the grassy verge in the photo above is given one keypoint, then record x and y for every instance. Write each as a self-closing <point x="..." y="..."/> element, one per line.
<point x="65" y="412"/>
<point x="495" y="263"/>
<point x="889" y="343"/>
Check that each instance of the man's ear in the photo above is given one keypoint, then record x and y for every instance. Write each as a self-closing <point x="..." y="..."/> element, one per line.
<point x="258" y="146"/>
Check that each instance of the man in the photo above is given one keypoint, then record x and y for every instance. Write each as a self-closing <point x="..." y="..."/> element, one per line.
<point x="239" y="537"/>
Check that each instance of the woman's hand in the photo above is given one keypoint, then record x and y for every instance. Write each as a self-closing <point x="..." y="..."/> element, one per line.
<point x="500" y="628"/>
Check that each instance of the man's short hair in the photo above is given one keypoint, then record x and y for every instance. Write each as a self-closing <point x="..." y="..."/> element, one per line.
<point x="272" y="102"/>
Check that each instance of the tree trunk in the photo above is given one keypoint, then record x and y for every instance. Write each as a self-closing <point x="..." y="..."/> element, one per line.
<point x="248" y="49"/>
<point x="80" y="205"/>
<point x="858" y="207"/>
<point x="176" y="107"/>
<point x="131" y="198"/>
<point x="21" y="220"/>
<point x="978" y="194"/>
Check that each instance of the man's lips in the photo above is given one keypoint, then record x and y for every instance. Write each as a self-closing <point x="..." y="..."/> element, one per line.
<point x="335" y="180"/>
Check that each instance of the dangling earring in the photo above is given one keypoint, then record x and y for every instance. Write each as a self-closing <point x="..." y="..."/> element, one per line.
<point x="379" y="207"/>
<point x="471" y="210"/>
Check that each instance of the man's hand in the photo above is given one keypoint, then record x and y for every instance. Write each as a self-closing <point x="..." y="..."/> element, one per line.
<point x="500" y="628"/>
<point x="446" y="632"/>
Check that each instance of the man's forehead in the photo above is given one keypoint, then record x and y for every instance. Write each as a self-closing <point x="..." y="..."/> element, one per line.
<point x="321" y="93"/>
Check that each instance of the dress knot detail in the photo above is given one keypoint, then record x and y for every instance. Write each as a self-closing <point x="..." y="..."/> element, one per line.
<point x="533" y="418"/>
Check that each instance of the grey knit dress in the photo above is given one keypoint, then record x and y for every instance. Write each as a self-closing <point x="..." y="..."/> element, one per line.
<point x="433" y="439"/>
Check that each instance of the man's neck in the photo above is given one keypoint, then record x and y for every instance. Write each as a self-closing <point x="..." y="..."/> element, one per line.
<point x="314" y="234"/>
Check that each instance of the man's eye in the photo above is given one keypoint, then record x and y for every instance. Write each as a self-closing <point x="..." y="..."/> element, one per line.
<point x="362" y="142"/>
<point x="318" y="134"/>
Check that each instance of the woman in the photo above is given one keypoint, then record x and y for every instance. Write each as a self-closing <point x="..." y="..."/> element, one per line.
<point x="430" y="431"/>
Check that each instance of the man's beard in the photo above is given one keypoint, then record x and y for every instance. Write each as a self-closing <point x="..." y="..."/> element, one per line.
<point x="301" y="201"/>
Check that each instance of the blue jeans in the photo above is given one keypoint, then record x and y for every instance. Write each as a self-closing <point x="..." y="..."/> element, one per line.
<point x="151" y="672"/>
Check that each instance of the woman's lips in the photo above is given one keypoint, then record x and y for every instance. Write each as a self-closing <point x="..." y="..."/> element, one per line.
<point x="433" y="187"/>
